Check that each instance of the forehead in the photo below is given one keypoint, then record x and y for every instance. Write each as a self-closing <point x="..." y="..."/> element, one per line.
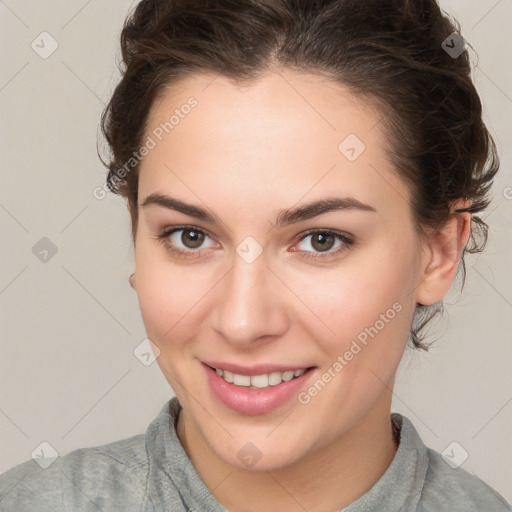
<point x="290" y="103"/>
<point x="285" y="135"/>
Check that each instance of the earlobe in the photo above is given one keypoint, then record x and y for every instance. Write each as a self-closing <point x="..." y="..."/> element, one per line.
<point x="442" y="257"/>
<point x="131" y="279"/>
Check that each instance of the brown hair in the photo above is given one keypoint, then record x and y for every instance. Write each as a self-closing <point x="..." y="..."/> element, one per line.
<point x="389" y="52"/>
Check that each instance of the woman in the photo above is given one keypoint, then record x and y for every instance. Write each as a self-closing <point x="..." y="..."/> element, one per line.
<point x="302" y="178"/>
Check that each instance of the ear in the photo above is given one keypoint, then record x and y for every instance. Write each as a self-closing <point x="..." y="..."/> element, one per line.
<point x="441" y="256"/>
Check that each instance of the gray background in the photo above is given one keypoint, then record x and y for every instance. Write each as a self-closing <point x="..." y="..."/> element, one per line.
<point x="68" y="374"/>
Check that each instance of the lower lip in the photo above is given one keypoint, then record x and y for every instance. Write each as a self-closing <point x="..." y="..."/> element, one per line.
<point x="254" y="401"/>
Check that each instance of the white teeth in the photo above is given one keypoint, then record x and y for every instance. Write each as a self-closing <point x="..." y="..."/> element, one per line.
<point x="274" y="378"/>
<point x="228" y="376"/>
<point x="287" y="376"/>
<point x="259" y="381"/>
<point x="241" y="380"/>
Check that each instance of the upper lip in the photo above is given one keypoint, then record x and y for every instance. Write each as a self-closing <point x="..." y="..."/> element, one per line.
<point x="257" y="369"/>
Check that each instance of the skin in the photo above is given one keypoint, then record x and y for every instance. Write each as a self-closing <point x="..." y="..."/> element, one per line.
<point x="245" y="154"/>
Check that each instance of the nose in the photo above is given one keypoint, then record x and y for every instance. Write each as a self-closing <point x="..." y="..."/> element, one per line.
<point x="251" y="304"/>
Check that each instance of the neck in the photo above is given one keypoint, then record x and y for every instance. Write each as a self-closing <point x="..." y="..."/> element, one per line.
<point x="328" y="479"/>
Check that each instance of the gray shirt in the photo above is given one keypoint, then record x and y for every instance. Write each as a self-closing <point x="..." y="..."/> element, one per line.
<point x="152" y="471"/>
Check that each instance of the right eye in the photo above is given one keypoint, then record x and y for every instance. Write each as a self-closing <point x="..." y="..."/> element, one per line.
<point x="190" y="238"/>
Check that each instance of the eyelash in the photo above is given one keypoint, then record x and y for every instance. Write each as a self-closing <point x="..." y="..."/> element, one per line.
<point x="347" y="243"/>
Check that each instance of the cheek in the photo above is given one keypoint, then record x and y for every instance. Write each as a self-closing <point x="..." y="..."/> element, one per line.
<point x="355" y="301"/>
<point x="365" y="300"/>
<point x="370" y="314"/>
<point x="171" y="297"/>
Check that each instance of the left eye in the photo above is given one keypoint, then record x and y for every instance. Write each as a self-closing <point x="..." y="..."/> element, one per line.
<point x="323" y="241"/>
<point x="191" y="238"/>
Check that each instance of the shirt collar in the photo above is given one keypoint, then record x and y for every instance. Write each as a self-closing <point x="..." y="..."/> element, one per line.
<point x="169" y="461"/>
<point x="399" y="488"/>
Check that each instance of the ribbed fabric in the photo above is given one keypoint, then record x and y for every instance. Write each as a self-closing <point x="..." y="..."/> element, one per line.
<point x="152" y="472"/>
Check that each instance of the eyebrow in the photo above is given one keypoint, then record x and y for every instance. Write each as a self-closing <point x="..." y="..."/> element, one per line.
<point x="285" y="217"/>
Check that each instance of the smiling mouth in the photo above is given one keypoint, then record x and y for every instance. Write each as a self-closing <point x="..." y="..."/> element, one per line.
<point x="262" y="381"/>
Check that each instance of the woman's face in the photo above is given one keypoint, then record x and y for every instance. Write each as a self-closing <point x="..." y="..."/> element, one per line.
<point x="255" y="292"/>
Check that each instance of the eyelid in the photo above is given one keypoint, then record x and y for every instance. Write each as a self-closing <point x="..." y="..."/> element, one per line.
<point x="166" y="233"/>
<point x="171" y="229"/>
<point x="347" y="240"/>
